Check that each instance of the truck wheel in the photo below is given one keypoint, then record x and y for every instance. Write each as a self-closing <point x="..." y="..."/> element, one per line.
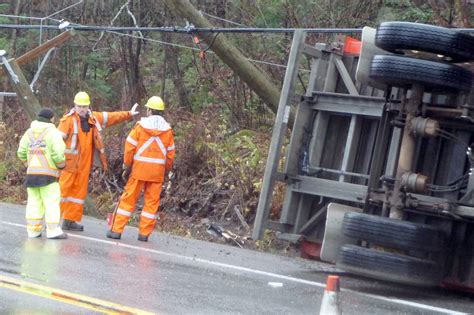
<point x="434" y="76"/>
<point x="393" y="233"/>
<point x="399" y="36"/>
<point x="388" y="266"/>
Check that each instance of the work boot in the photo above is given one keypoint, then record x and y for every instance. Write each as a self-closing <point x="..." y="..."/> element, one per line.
<point x="143" y="238"/>
<point x="61" y="236"/>
<point x="114" y="235"/>
<point x="72" y="225"/>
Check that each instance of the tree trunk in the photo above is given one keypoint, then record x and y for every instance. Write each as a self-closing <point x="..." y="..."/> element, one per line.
<point x="16" y="11"/>
<point x="172" y="58"/>
<point x="256" y="80"/>
<point x="164" y="70"/>
<point x="132" y="47"/>
<point x="130" y="55"/>
<point x="220" y="8"/>
<point x="465" y="14"/>
<point x="438" y="11"/>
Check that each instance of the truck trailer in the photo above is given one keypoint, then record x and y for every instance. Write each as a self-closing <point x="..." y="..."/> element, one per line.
<point x="378" y="165"/>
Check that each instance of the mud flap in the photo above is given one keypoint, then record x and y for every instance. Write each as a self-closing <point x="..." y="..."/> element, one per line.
<point x="367" y="53"/>
<point x="334" y="238"/>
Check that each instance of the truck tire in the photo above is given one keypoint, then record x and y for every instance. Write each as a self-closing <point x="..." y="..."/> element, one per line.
<point x="403" y="72"/>
<point x="388" y="266"/>
<point x="393" y="233"/>
<point x="399" y="36"/>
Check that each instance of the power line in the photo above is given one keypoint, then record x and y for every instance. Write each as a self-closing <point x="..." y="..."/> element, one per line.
<point x="220" y="19"/>
<point x="261" y="13"/>
<point x="77" y="26"/>
<point x="27" y="17"/>
<point x="187" y="29"/>
<point x="50" y="17"/>
<point x="64" y="9"/>
<point x="154" y="40"/>
<point x="196" y="49"/>
<point x="192" y="29"/>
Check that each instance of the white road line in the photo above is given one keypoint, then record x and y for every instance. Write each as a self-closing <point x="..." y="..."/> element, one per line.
<point x="259" y="272"/>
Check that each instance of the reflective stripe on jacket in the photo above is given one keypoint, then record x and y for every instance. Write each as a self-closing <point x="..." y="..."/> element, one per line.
<point x="150" y="149"/>
<point x="42" y="147"/>
<point x="80" y="144"/>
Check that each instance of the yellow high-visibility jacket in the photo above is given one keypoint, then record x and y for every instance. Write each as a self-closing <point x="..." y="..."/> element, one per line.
<point x="42" y="147"/>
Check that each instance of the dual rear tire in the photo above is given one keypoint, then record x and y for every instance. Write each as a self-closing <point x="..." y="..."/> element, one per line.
<point x="428" y="41"/>
<point x="393" y="261"/>
<point x="389" y="266"/>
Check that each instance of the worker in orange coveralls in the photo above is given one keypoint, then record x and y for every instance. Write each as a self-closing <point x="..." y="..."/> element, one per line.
<point x="81" y="130"/>
<point x="149" y="155"/>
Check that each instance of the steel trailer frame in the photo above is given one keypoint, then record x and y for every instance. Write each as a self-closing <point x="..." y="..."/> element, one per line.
<point x="343" y="142"/>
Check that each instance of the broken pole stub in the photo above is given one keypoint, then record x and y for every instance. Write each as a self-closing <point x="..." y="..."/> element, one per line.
<point x="25" y="95"/>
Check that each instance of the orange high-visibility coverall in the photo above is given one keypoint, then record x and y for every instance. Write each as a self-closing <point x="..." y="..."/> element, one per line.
<point x="149" y="151"/>
<point x="79" y="153"/>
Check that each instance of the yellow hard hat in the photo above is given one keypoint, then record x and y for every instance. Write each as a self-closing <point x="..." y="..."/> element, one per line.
<point x="155" y="102"/>
<point x="82" y="98"/>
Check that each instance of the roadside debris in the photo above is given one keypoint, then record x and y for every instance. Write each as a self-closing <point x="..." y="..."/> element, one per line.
<point x="217" y="231"/>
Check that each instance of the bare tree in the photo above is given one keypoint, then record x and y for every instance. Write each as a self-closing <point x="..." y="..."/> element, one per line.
<point x="232" y="56"/>
<point x="177" y="75"/>
<point x="450" y="12"/>
<point x="16" y="11"/>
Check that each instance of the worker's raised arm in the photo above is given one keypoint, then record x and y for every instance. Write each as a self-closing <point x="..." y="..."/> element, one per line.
<point x="107" y="119"/>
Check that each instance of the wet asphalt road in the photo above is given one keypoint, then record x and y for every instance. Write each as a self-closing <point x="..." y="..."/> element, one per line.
<point x="181" y="276"/>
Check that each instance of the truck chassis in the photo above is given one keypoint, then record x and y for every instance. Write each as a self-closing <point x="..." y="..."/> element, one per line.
<point x="377" y="168"/>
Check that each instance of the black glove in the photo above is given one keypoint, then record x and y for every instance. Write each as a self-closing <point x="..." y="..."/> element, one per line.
<point x="125" y="173"/>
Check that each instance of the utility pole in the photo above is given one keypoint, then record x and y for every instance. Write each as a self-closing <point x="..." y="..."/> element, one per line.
<point x="18" y="81"/>
<point x="11" y="67"/>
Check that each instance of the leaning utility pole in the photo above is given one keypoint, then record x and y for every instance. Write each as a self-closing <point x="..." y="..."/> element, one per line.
<point x="23" y="90"/>
<point x="11" y="67"/>
<point x="228" y="53"/>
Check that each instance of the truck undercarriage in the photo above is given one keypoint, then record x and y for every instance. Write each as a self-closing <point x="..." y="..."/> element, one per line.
<point x="378" y="165"/>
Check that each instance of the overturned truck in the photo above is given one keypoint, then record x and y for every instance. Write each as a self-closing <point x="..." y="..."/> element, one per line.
<point x="378" y="167"/>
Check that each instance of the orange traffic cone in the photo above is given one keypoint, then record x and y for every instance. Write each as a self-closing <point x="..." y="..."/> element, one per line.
<point x="330" y="304"/>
